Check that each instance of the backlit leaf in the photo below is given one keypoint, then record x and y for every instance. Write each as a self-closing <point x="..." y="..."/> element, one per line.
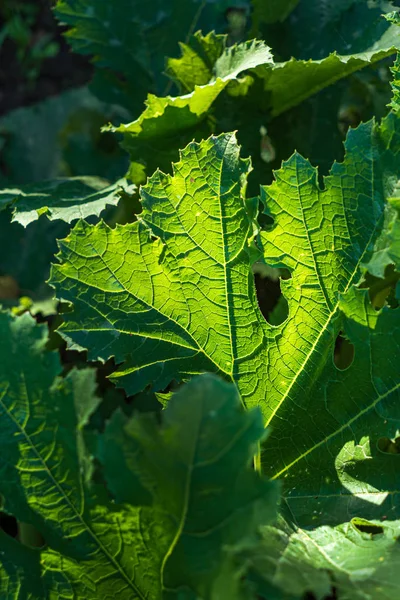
<point x="193" y="307"/>
<point x="169" y="122"/>
<point x="206" y="498"/>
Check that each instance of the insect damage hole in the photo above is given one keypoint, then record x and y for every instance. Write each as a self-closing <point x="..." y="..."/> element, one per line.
<point x="271" y="301"/>
<point x="343" y="354"/>
<point x="388" y="446"/>
<point x="9" y="524"/>
<point x="366" y="526"/>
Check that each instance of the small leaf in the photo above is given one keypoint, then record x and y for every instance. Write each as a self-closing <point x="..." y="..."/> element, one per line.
<point x="65" y="199"/>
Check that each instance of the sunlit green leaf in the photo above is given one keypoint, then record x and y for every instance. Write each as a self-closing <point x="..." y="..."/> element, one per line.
<point x="193" y="308"/>
<point x="169" y="122"/>
<point x="129" y="39"/>
<point x="206" y="497"/>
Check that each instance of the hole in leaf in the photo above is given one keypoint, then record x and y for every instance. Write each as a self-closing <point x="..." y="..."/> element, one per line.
<point x="8" y="524"/>
<point x="382" y="291"/>
<point x="272" y="303"/>
<point x="343" y="354"/>
<point x="348" y="116"/>
<point x="388" y="446"/>
<point x="366" y="526"/>
<point x="267" y="222"/>
<point x="393" y="298"/>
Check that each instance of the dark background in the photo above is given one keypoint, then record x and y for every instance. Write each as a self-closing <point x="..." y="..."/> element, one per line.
<point x="35" y="60"/>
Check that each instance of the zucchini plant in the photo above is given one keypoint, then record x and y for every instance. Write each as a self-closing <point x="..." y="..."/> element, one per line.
<point x="163" y="435"/>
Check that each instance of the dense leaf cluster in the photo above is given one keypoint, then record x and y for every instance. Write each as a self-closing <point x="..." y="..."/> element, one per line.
<point x="164" y="434"/>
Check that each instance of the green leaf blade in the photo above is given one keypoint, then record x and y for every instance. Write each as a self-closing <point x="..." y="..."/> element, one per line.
<point x="64" y="199"/>
<point x="177" y="303"/>
<point x="41" y="466"/>
<point x="169" y="121"/>
<point x="96" y="548"/>
<point x="200" y="281"/>
<point x="208" y="442"/>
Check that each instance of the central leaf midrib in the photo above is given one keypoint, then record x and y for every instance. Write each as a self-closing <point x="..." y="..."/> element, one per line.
<point x="310" y="243"/>
<point x="185" y="506"/>
<point x="228" y="305"/>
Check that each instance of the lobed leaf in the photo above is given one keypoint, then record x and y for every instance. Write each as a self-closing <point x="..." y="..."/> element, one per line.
<point x="166" y="119"/>
<point x="128" y="40"/>
<point x="179" y="305"/>
<point x="215" y="499"/>
<point x="95" y="548"/>
<point x="193" y="308"/>
<point x="282" y="85"/>
<point x="330" y="421"/>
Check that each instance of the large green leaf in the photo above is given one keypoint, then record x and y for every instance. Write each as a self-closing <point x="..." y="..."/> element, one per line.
<point x="359" y="417"/>
<point x="185" y="303"/>
<point x="98" y="549"/>
<point x="215" y="498"/>
<point x="320" y="237"/>
<point x="169" y="122"/>
<point x="64" y="199"/>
